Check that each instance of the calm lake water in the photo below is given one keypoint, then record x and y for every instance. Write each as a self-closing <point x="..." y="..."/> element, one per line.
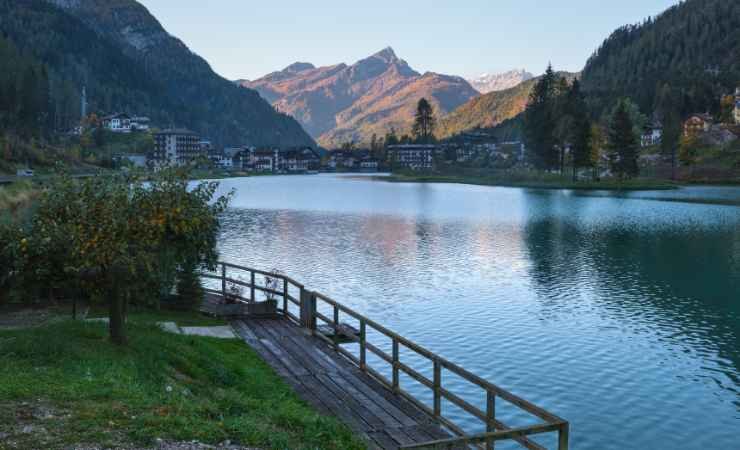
<point x="618" y="312"/>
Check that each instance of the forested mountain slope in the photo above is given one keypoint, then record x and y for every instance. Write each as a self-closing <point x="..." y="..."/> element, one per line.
<point x="128" y="62"/>
<point x="694" y="47"/>
<point x="490" y="110"/>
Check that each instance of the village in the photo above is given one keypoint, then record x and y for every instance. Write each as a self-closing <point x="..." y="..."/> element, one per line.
<point x="473" y="149"/>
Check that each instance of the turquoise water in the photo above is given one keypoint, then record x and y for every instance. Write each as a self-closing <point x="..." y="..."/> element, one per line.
<point x="618" y="312"/>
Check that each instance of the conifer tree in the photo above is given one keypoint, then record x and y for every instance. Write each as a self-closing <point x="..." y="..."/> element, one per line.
<point x="424" y="122"/>
<point x="623" y="145"/>
<point x="540" y="123"/>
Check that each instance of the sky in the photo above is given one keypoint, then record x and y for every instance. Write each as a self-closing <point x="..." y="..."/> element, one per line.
<point x="249" y="39"/>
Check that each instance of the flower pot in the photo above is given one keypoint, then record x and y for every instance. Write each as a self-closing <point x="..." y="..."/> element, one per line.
<point x="267" y="308"/>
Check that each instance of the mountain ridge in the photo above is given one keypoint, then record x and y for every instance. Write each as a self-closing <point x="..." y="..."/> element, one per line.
<point x="494" y="82"/>
<point x="341" y="103"/>
<point x="492" y="109"/>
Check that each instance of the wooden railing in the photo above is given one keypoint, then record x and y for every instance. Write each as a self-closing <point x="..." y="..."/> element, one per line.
<point x="307" y="303"/>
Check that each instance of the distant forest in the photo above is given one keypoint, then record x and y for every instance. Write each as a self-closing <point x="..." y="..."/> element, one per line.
<point x="692" y="49"/>
<point x="171" y="85"/>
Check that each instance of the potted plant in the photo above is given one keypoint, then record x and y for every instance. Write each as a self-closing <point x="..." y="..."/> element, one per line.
<point x="269" y="305"/>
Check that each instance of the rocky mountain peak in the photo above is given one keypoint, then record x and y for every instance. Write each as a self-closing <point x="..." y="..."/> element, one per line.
<point x="494" y="82"/>
<point x="299" y="67"/>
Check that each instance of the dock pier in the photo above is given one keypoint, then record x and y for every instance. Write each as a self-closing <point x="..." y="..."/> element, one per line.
<point x="321" y="347"/>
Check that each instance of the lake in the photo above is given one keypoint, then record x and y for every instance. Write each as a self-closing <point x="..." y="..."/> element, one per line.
<point x="618" y="311"/>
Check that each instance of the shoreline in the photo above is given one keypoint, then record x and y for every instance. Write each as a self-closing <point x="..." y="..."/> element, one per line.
<point x="637" y="185"/>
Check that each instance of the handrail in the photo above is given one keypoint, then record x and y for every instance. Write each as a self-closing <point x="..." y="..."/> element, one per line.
<point x="495" y="429"/>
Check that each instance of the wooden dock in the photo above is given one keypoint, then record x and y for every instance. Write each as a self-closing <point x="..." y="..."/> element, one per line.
<point x="307" y="345"/>
<point x="335" y="387"/>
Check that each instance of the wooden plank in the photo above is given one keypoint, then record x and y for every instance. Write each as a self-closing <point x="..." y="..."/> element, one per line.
<point x="348" y="402"/>
<point x="400" y="436"/>
<point x="336" y="405"/>
<point x="294" y="366"/>
<point x="370" y="401"/>
<point x="383" y="440"/>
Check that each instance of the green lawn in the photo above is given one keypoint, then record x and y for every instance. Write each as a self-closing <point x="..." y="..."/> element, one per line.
<point x="66" y="384"/>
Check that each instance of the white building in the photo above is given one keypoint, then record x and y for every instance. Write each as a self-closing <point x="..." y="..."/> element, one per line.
<point x="652" y="135"/>
<point x="123" y="123"/>
<point x="118" y="123"/>
<point x="140" y="123"/>
<point x="176" y="147"/>
<point x="414" y="156"/>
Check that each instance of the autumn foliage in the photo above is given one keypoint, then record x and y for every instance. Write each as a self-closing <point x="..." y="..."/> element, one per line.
<point x="114" y="238"/>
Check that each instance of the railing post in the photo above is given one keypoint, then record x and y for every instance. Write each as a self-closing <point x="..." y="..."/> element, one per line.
<point x="363" y="346"/>
<point x="563" y="437"/>
<point x="490" y="417"/>
<point x="251" y="296"/>
<point x="396" y="385"/>
<point x="312" y="308"/>
<point x="223" y="280"/>
<point x="336" y="327"/>
<point x="437" y="386"/>
<point x="285" y="297"/>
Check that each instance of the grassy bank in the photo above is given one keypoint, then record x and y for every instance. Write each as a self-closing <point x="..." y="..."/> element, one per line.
<point x="63" y="384"/>
<point x="534" y="181"/>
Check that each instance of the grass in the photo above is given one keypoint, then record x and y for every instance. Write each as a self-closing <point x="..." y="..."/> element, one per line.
<point x="533" y="180"/>
<point x="67" y="383"/>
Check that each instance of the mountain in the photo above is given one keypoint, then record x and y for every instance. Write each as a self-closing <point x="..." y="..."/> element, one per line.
<point x="493" y="82"/>
<point x="128" y="62"/>
<point x="490" y="110"/>
<point x="343" y="102"/>
<point x="693" y="46"/>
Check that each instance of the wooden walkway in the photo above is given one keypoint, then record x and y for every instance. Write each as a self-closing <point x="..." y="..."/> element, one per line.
<point x="334" y="386"/>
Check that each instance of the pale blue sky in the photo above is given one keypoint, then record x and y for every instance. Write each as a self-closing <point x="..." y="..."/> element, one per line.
<point x="248" y="39"/>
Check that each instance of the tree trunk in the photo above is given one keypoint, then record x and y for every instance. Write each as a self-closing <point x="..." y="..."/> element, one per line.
<point x="117" y="325"/>
<point x="574" y="171"/>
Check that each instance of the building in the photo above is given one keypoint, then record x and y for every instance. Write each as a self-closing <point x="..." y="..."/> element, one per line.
<point x="344" y="159"/>
<point x="139" y="123"/>
<point x="698" y="124"/>
<point x="176" y="147"/>
<point x="652" y="135"/>
<point x="118" y="123"/>
<point x="413" y="156"/>
<point x="369" y="165"/>
<point x="123" y="123"/>
<point x="223" y="162"/>
<point x="298" y="160"/>
<point x="264" y="160"/>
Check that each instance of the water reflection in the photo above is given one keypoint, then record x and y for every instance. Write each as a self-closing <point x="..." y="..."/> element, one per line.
<point x="607" y="310"/>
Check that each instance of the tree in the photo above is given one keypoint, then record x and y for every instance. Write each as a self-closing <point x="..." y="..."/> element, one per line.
<point x="598" y="144"/>
<point x="540" y="123"/>
<point x="623" y="144"/>
<point x="391" y="138"/>
<point x="727" y="108"/>
<point x="668" y="109"/>
<point x="688" y="150"/>
<point x="112" y="235"/>
<point x="577" y="131"/>
<point x="424" y="122"/>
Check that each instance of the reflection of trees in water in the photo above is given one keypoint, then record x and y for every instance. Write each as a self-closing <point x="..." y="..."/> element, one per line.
<point x="685" y="279"/>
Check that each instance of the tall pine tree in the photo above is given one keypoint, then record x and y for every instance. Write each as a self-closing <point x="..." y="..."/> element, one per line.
<point x="623" y="144"/>
<point x="540" y="123"/>
<point x="424" y="122"/>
